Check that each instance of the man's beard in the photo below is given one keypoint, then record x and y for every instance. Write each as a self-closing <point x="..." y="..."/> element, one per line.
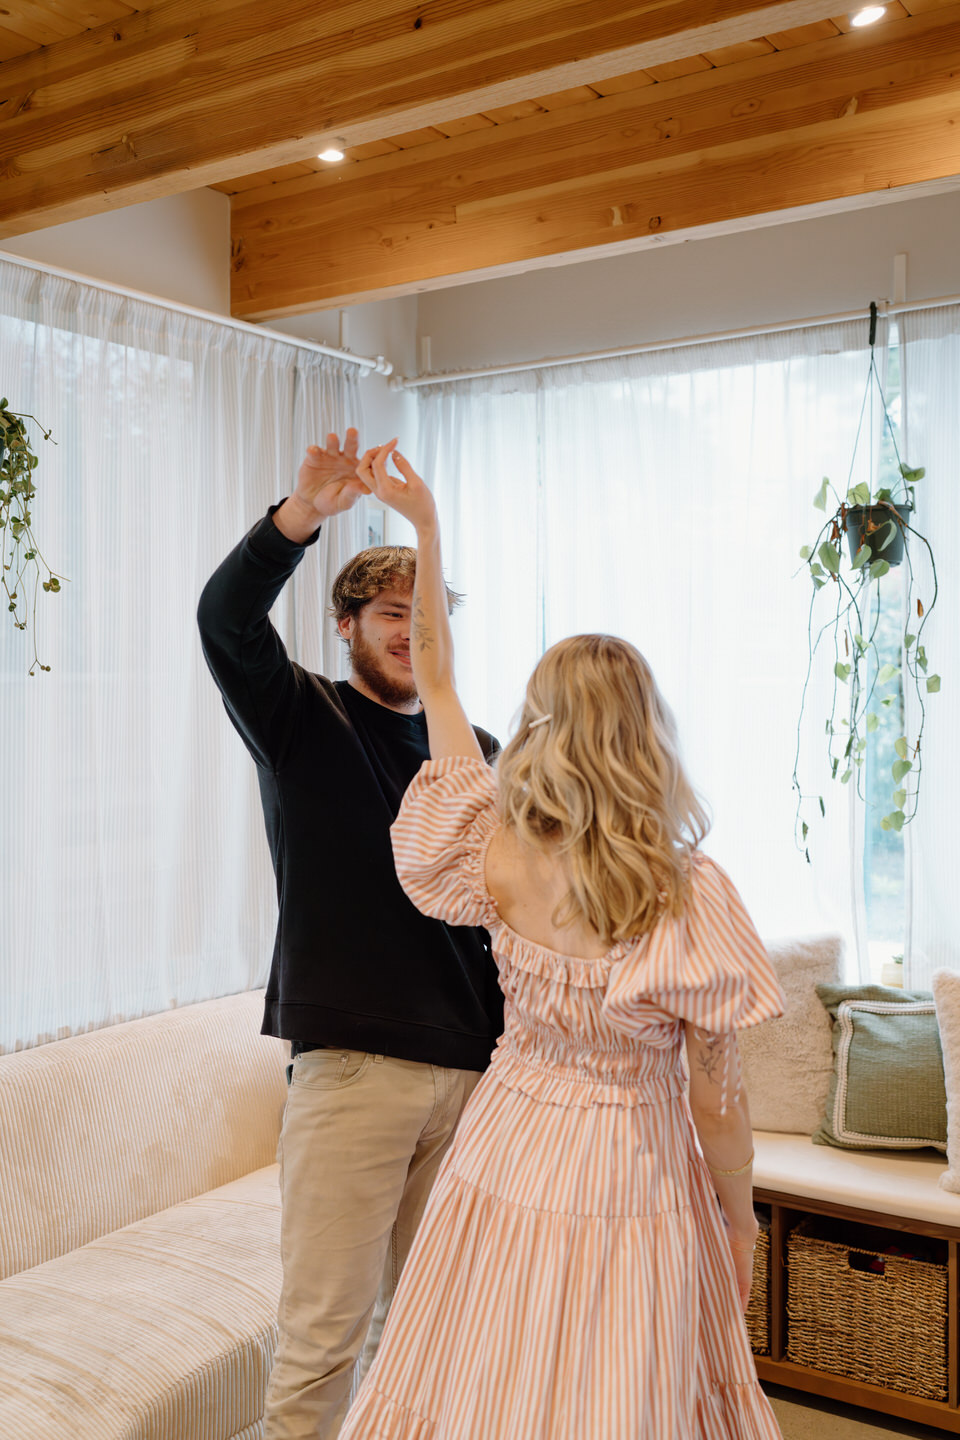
<point x="364" y="660"/>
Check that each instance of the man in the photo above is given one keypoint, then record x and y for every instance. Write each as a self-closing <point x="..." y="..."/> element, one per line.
<point x="392" y="1016"/>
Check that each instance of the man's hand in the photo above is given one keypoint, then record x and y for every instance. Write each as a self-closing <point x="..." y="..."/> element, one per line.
<point x="409" y="496"/>
<point x="327" y="484"/>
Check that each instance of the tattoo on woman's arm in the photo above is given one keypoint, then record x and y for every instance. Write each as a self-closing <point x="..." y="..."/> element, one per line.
<point x="422" y="633"/>
<point x="711" y="1058"/>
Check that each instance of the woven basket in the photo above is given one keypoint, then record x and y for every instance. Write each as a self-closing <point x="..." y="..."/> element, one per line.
<point x="758" y="1310"/>
<point x="886" y="1328"/>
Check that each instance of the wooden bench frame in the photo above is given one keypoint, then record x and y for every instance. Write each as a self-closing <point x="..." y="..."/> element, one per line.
<point x="786" y="1211"/>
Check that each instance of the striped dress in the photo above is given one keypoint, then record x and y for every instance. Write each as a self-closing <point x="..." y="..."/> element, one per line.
<point x="570" y="1279"/>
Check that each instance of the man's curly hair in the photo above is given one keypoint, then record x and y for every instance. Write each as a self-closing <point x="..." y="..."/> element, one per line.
<point x="367" y="575"/>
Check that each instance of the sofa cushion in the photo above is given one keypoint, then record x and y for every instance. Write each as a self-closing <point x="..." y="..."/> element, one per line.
<point x="787" y="1063"/>
<point x="887" y="1090"/>
<point x="164" y="1330"/>
<point x="105" y="1128"/>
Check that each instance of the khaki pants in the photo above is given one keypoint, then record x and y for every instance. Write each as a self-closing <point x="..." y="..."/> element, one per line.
<point x="362" y="1140"/>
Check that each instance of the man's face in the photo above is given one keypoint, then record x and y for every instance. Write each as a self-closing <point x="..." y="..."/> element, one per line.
<point x="379" y="638"/>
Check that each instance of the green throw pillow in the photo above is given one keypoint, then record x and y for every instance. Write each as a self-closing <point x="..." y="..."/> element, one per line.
<point x="887" y="1089"/>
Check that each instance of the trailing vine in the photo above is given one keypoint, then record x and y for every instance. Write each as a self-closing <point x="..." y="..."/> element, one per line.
<point x="24" y="567"/>
<point x="864" y="684"/>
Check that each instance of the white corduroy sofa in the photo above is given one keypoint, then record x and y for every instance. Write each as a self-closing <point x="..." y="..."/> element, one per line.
<point x="139" y="1228"/>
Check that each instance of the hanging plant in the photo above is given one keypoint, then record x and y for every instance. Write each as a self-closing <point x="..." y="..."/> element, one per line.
<point x="24" y="568"/>
<point x="853" y="597"/>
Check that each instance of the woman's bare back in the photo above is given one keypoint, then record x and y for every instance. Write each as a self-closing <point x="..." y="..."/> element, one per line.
<point x="528" y="886"/>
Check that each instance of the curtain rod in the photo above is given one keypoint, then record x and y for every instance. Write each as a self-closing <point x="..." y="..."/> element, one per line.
<point x="367" y="363"/>
<point x="401" y="382"/>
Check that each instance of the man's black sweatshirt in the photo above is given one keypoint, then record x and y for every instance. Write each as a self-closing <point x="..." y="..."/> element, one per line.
<point x="354" y="963"/>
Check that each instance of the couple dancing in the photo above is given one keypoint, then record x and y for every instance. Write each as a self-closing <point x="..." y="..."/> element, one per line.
<point x="586" y="1250"/>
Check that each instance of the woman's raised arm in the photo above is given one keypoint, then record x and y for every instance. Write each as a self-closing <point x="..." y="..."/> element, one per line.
<point x="431" y="643"/>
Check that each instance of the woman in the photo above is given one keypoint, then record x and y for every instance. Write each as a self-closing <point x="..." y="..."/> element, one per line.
<point x="574" y="1277"/>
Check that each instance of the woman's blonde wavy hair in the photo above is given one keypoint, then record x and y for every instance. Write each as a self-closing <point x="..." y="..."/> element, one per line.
<point x="603" y="780"/>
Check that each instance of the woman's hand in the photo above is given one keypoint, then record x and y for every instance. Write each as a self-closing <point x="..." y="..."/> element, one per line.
<point x="408" y="495"/>
<point x="742" y="1249"/>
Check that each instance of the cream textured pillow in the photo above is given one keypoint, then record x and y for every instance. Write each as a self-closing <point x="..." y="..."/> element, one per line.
<point x="946" y="999"/>
<point x="787" y="1063"/>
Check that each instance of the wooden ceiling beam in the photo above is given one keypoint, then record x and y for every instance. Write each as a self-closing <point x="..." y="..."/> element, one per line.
<point x="859" y="112"/>
<point x="197" y="91"/>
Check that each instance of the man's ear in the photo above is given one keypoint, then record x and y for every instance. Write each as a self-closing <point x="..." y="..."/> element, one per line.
<point x="345" y="627"/>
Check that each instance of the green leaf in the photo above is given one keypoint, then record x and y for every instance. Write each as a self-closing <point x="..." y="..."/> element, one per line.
<point x="885" y="824"/>
<point x="818" y="584"/>
<point x="834" y="767"/>
<point x="900" y="746"/>
<point x="845" y="776"/>
<point x="823" y="808"/>
<point x="820" y="499"/>
<point x="886" y="673"/>
<point x="899" y="768"/>
<point x="908" y="640"/>
<point x="805" y="552"/>
<point x="830" y="556"/>
<point x="922" y="657"/>
<point x="859" y="495"/>
<point x="804" y="830"/>
<point x="861" y="557"/>
<point x="841" y="671"/>
<point x="860" y="643"/>
<point x="899" y="796"/>
<point x="884" y="495"/>
<point x="873" y="720"/>
<point x="816" y="569"/>
<point x="878" y="568"/>
<point x="933" y="684"/>
<point x="888" y="699"/>
<point x="895" y="819"/>
<point x="912" y="476"/>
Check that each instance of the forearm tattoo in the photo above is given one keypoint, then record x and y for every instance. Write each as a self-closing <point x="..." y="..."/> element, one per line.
<point x="422" y="634"/>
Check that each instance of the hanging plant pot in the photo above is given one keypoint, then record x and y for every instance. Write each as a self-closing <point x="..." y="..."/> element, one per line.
<point x="880" y="527"/>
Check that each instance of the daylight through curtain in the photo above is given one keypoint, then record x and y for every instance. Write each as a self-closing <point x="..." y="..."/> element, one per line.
<point x="135" y="873"/>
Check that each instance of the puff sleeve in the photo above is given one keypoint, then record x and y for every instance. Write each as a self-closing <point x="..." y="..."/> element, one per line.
<point x="440" y="838"/>
<point x="707" y="966"/>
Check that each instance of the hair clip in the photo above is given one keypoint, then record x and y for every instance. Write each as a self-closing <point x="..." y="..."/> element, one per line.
<point x="542" y="721"/>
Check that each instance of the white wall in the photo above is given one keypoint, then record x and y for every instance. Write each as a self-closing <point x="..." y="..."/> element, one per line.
<point x="786" y="272"/>
<point x="177" y="247"/>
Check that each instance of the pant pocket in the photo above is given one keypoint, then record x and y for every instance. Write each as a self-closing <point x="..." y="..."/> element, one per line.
<point x="329" y="1069"/>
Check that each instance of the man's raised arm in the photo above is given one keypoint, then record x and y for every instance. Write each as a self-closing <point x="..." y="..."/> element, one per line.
<point x="245" y="654"/>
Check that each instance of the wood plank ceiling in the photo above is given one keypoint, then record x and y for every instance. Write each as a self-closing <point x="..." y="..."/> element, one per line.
<point x="702" y="133"/>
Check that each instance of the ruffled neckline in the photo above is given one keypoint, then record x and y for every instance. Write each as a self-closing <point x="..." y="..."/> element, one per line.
<point x="537" y="959"/>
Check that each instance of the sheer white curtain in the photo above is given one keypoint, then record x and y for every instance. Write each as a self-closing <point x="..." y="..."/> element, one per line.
<point x="135" y="873"/>
<point x="665" y="497"/>
<point x="931" y="343"/>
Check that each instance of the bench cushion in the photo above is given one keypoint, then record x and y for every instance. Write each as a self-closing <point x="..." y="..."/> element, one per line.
<point x="902" y="1182"/>
<point x="161" y="1331"/>
<point x="106" y="1128"/>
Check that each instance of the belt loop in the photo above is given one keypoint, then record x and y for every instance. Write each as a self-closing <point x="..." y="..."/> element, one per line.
<point x="378" y="1059"/>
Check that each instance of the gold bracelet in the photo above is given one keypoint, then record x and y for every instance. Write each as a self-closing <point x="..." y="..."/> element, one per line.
<point x="740" y="1170"/>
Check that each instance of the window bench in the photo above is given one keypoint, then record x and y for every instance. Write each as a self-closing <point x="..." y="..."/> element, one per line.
<point x="896" y="1190"/>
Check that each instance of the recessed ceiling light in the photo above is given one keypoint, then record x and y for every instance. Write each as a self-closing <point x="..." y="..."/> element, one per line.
<point x="330" y="155"/>
<point x="867" y="16"/>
